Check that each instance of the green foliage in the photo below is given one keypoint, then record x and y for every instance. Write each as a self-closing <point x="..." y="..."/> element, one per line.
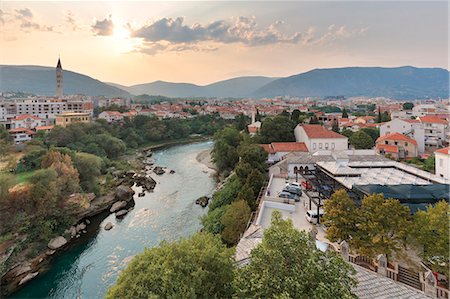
<point x="340" y="217"/>
<point x="212" y="221"/>
<point x="431" y="233"/>
<point x="361" y="140"/>
<point x="287" y="265"/>
<point x="224" y="153"/>
<point x="234" y="221"/>
<point x="335" y="126"/>
<point x="198" y="267"/>
<point x="327" y="109"/>
<point x="344" y="113"/>
<point x="6" y="182"/>
<point x="88" y="167"/>
<point x="372" y="132"/>
<point x="408" y="106"/>
<point x="31" y="160"/>
<point x="429" y="164"/>
<point x="227" y="194"/>
<point x="277" y="129"/>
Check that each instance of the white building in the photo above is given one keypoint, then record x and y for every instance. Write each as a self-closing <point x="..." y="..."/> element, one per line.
<point x="442" y="163"/>
<point x="435" y="130"/>
<point x="317" y="138"/>
<point x="48" y="108"/>
<point x="111" y="116"/>
<point x="21" y="134"/>
<point x="27" y="121"/>
<point x="409" y="127"/>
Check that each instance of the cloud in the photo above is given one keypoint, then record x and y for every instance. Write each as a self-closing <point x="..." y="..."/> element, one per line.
<point x="240" y="30"/>
<point x="70" y="19"/>
<point x="173" y="34"/>
<point x="104" y="27"/>
<point x="2" y="17"/>
<point x="25" y="17"/>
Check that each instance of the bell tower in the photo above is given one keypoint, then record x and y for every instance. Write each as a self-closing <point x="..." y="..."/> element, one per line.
<point x="59" y="80"/>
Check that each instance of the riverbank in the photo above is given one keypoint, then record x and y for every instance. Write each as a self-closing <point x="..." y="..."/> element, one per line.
<point x="205" y="158"/>
<point x="98" y="255"/>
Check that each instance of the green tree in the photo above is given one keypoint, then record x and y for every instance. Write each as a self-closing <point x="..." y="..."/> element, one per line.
<point x="277" y="129"/>
<point x="212" y="221"/>
<point x="344" y="113"/>
<point x="373" y="133"/>
<point x="347" y="132"/>
<point x="31" y="160"/>
<point x="88" y="167"/>
<point x="253" y="155"/>
<point x="287" y="265"/>
<point x="340" y="217"/>
<point x="224" y="152"/>
<point x="361" y="140"/>
<point x="234" y="221"/>
<point x="408" y="106"/>
<point x="431" y="233"/>
<point x="197" y="267"/>
<point x="429" y="164"/>
<point x="67" y="175"/>
<point x="385" y="117"/>
<point x="295" y="115"/>
<point x="227" y="194"/>
<point x="248" y="195"/>
<point x="383" y="227"/>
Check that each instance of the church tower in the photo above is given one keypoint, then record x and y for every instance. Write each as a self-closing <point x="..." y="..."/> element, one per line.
<point x="59" y="80"/>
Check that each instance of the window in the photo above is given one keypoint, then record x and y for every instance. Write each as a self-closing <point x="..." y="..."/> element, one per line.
<point x="320" y="145"/>
<point x="332" y="145"/>
<point x="386" y="142"/>
<point x="395" y="142"/>
<point x="388" y="126"/>
<point x="406" y="143"/>
<point x="326" y="145"/>
<point x="314" y="146"/>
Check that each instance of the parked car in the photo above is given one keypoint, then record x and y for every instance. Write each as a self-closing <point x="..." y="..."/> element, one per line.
<point x="287" y="195"/>
<point x="307" y="185"/>
<point x="293" y="190"/>
<point x="311" y="215"/>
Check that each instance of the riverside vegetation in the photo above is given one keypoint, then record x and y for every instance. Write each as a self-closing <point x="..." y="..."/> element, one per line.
<point x="46" y="186"/>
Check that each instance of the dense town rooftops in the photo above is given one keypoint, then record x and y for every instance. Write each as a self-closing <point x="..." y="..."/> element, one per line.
<point x="396" y="137"/>
<point x="318" y="131"/>
<point x="433" y="120"/>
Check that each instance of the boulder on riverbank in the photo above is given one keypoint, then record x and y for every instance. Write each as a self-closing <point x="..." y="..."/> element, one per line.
<point x="108" y="226"/>
<point x="202" y="201"/>
<point x="28" y="277"/>
<point x="159" y="170"/>
<point x="124" y="193"/>
<point x="147" y="183"/>
<point x="118" y="206"/>
<point x="57" y="243"/>
<point x="121" y="213"/>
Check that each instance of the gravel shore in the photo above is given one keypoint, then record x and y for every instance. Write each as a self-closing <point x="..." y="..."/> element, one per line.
<point x="204" y="157"/>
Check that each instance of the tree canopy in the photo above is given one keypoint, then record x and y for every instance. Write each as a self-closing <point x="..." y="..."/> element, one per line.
<point x="197" y="267"/>
<point x="361" y="140"/>
<point x="277" y="129"/>
<point x="287" y="265"/>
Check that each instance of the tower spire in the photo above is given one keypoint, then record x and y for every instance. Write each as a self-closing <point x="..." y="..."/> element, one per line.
<point x="59" y="79"/>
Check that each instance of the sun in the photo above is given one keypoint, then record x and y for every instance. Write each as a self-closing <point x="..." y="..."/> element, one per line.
<point x="121" y="33"/>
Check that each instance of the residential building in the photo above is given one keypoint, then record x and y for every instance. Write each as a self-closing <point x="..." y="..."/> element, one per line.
<point x="278" y="150"/>
<point x="317" y="138"/>
<point x="27" y="121"/>
<point x="20" y="135"/>
<point x="68" y="118"/>
<point x="442" y="162"/>
<point x="435" y="131"/>
<point x="111" y="116"/>
<point x="397" y="145"/>
<point x="409" y="127"/>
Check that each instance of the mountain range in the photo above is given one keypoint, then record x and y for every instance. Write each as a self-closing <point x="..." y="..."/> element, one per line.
<point x="405" y="82"/>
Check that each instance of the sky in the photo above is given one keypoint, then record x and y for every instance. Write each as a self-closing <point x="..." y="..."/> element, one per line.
<point x="203" y="42"/>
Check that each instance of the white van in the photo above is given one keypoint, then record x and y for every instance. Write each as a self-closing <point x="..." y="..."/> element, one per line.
<point x="311" y="215"/>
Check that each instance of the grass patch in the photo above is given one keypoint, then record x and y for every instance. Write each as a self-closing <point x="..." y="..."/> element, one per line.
<point x="25" y="176"/>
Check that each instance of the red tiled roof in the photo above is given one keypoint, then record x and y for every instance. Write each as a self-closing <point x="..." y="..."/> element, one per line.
<point x="387" y="148"/>
<point x="20" y="130"/>
<point x="24" y="116"/>
<point x="318" y="131"/>
<point x="412" y="121"/>
<point x="432" y="119"/>
<point x="289" y="147"/>
<point x="43" y="128"/>
<point x="445" y="150"/>
<point x="396" y="136"/>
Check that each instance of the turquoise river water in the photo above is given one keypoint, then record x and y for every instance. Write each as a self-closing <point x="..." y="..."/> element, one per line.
<point x="87" y="269"/>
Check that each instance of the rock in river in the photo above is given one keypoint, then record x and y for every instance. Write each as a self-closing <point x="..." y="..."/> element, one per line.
<point x="108" y="226"/>
<point x="117" y="206"/>
<point x="57" y="242"/>
<point x="124" y="193"/>
<point x="29" y="277"/>
<point x="159" y="170"/>
<point x="203" y="201"/>
<point x="121" y="213"/>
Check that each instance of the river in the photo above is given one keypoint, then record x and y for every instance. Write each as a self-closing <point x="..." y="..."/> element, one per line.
<point x="89" y="268"/>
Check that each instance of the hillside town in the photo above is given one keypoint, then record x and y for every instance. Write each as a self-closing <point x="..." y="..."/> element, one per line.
<point x="314" y="148"/>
